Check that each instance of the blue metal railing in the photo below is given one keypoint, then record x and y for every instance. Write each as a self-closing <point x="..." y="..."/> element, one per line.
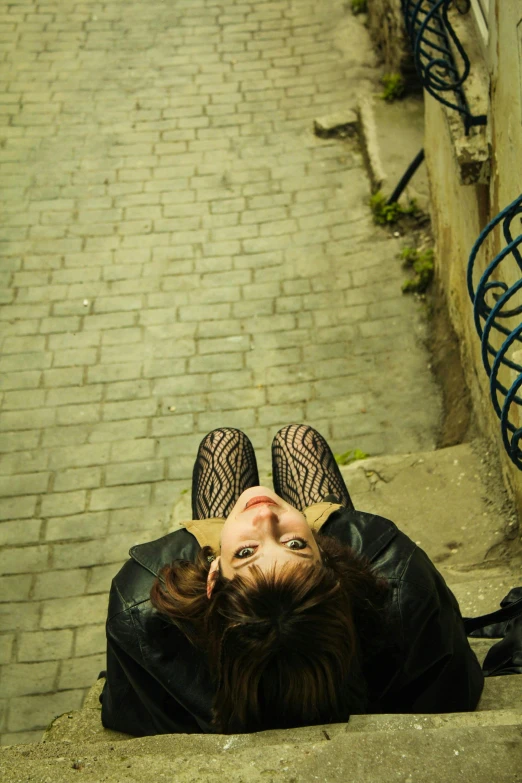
<point x="431" y="35"/>
<point x="491" y="322"/>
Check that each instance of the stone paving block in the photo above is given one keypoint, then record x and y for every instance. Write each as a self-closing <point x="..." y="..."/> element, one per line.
<point x="330" y="408"/>
<point x="234" y="399"/>
<point x="263" y="291"/>
<point x="209" y="363"/>
<point x="19" y="399"/>
<point x="44" y="646"/>
<point x="165" y="493"/>
<point x="337" y="386"/>
<point x="6" y="647"/>
<point x="19" y="617"/>
<point x="20" y="380"/>
<point x="181" y="444"/>
<point x="373" y="444"/>
<point x="23" y="344"/>
<point x="36" y="712"/>
<point x="64" y="436"/>
<point x="278" y="340"/>
<point x="100" y="578"/>
<point x="27" y="419"/>
<point x="238" y="379"/>
<point x="78" y="414"/>
<point x="73" y="612"/>
<point x="234" y="343"/>
<point x="181" y="385"/>
<point x="130" y="409"/>
<point x="77" y="478"/>
<point x="336" y="334"/>
<point x="239" y="418"/>
<point x="91" y="639"/>
<point x="14" y="588"/>
<point x="64" y="503"/>
<point x="81" y="672"/>
<point x="19" y="679"/>
<point x="55" y="584"/>
<point x="20" y="737"/>
<point x="24" y="484"/>
<point x="120" y="497"/>
<point x="209" y="296"/>
<point x="31" y="559"/>
<point x="133" y="449"/>
<point x="74" y="395"/>
<point x="134" y="472"/>
<point x="190" y="404"/>
<point x="60" y="378"/>
<point x="139" y="519"/>
<point x="253" y="309"/>
<point x="278" y="415"/>
<point x="157" y="368"/>
<point x="75" y="358"/>
<point x="296" y="392"/>
<point x="172" y="424"/>
<point x="20" y="531"/>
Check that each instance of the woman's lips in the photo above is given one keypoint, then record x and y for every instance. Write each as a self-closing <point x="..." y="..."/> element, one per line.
<point x="260" y="499"/>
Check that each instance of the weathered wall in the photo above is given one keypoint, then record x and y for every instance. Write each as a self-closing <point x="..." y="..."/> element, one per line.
<point x="505" y="55"/>
<point x="460" y="212"/>
<point x="386" y="25"/>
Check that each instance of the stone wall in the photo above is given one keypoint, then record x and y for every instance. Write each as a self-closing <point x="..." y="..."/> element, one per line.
<point x="461" y="211"/>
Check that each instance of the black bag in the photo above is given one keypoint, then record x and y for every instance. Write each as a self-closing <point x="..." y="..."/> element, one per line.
<point x="505" y="657"/>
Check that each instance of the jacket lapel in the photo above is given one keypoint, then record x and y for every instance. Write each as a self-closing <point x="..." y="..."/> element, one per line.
<point x="206" y="531"/>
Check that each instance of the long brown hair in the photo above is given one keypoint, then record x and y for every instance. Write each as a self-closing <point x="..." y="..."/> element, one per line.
<point x="284" y="648"/>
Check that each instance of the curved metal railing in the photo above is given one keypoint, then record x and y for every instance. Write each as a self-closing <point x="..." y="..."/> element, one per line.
<point x="497" y="318"/>
<point x="432" y="36"/>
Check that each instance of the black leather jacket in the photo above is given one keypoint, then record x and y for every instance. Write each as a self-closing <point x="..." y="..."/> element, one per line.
<point x="157" y="684"/>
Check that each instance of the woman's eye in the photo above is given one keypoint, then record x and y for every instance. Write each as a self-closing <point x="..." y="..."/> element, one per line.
<point x="300" y="540"/>
<point x="239" y="554"/>
<point x="244" y="549"/>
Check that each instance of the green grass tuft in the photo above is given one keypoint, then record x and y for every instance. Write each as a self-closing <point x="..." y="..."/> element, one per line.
<point x="359" y="6"/>
<point x="423" y="266"/>
<point x="394" y="87"/>
<point x="350" y="456"/>
<point x="385" y="214"/>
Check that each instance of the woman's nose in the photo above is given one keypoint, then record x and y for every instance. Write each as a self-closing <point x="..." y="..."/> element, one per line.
<point x="265" y="514"/>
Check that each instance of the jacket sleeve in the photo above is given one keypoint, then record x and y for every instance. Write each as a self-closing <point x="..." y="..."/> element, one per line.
<point x="133" y="700"/>
<point x="440" y="671"/>
<point x="135" y="703"/>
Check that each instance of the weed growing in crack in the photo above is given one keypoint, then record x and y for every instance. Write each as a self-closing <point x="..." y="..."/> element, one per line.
<point x="350" y="456"/>
<point x="359" y="6"/>
<point x="385" y="214"/>
<point x="423" y="266"/>
<point x="394" y="87"/>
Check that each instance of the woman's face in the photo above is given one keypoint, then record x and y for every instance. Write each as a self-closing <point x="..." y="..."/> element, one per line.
<point x="264" y="530"/>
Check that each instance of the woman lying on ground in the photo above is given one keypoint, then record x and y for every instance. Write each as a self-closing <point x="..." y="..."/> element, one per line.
<point x="279" y="608"/>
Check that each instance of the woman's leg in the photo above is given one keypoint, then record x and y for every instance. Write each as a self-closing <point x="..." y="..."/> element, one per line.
<point x="225" y="466"/>
<point x="304" y="468"/>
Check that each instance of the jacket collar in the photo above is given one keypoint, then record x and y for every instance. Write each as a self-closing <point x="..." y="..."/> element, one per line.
<point x="208" y="531"/>
<point x="197" y="533"/>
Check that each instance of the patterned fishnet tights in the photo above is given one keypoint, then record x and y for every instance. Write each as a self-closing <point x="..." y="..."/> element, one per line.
<point x="304" y="470"/>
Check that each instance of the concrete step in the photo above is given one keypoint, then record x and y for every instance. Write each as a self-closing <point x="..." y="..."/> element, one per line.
<point x="402" y="122"/>
<point x="501" y="702"/>
<point x="478" y="746"/>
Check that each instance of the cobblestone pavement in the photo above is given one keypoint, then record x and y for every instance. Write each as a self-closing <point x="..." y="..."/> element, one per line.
<point x="179" y="252"/>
